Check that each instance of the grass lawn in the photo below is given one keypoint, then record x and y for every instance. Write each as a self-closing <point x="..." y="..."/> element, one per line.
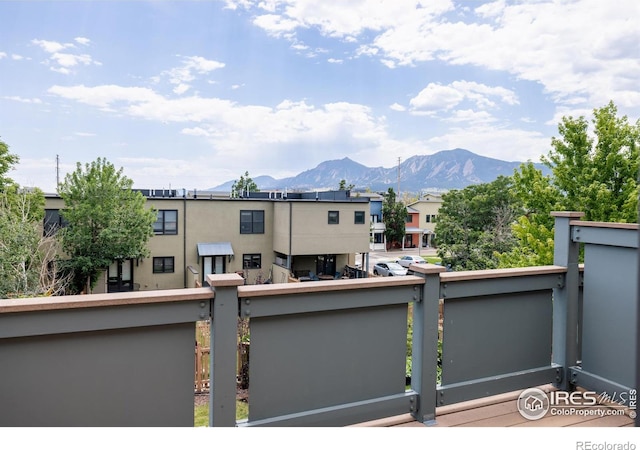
<point x="433" y="259"/>
<point x="201" y="414"/>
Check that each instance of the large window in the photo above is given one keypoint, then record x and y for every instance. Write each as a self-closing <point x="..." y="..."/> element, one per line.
<point x="334" y="217"/>
<point x="163" y="264"/>
<point x="358" y="217"/>
<point x="53" y="221"/>
<point x="252" y="261"/>
<point x="252" y="222"/>
<point x="166" y="222"/>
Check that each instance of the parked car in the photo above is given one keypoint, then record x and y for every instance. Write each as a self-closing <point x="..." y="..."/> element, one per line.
<point x="389" y="269"/>
<point x="406" y="261"/>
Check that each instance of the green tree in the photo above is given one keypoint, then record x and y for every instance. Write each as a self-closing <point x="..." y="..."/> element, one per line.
<point x="107" y="221"/>
<point x="596" y="175"/>
<point x="343" y="186"/>
<point x="475" y="222"/>
<point x="7" y="161"/>
<point x="533" y="231"/>
<point x="28" y="258"/>
<point x="394" y="215"/>
<point x="243" y="185"/>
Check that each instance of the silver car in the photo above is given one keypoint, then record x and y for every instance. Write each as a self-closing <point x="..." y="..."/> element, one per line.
<point x="389" y="269"/>
<point x="407" y="260"/>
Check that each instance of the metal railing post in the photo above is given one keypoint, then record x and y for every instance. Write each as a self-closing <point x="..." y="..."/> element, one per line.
<point x="224" y="347"/>
<point x="565" y="299"/>
<point x="425" y="342"/>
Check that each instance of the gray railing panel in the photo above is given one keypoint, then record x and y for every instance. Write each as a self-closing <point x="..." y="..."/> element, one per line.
<point x="40" y="323"/>
<point x="495" y="335"/>
<point x="609" y="312"/>
<point x="344" y="414"/>
<point x="496" y="286"/>
<point x="609" y="236"/>
<point x="128" y="377"/>
<point x="309" y="361"/>
<point x="484" y="387"/>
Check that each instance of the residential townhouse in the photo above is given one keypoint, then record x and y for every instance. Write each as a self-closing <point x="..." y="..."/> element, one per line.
<point x="424" y="214"/>
<point x="265" y="236"/>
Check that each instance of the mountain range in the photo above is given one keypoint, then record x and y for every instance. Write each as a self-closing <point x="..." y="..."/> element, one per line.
<point x="444" y="170"/>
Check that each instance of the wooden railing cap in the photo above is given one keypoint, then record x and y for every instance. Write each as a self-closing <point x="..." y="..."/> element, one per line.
<point x="427" y="269"/>
<point x="225" y="280"/>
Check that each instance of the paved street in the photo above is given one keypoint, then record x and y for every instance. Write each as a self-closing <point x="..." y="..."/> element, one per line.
<point x="394" y="254"/>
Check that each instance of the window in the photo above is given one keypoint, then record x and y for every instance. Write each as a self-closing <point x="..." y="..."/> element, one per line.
<point x="431" y="218"/>
<point x="334" y="217"/>
<point x="251" y="222"/>
<point x="53" y="221"/>
<point x="427" y="218"/>
<point x="408" y="218"/>
<point x="358" y="217"/>
<point x="252" y="261"/>
<point x="163" y="264"/>
<point x="166" y="222"/>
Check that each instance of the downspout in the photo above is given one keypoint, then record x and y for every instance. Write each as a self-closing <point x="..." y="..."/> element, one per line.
<point x="290" y="238"/>
<point x="184" y="235"/>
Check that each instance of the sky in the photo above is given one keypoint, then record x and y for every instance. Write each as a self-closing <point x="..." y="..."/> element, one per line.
<point x="191" y="94"/>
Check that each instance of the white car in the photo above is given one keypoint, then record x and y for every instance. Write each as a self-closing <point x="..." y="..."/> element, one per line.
<point x="389" y="269"/>
<point x="406" y="261"/>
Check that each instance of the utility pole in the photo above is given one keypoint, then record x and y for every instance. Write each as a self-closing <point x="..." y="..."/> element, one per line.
<point x="57" y="172"/>
<point x="398" y="178"/>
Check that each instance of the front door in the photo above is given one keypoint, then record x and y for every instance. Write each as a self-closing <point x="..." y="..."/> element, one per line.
<point x="212" y="264"/>
<point x="120" y="277"/>
<point x="326" y="264"/>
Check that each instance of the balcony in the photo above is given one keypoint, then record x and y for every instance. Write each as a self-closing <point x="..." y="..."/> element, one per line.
<point x="334" y="353"/>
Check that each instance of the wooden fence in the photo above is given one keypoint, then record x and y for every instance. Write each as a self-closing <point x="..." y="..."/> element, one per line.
<point x="202" y="360"/>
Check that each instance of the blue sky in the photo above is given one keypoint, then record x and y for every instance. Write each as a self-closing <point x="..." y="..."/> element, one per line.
<point x="190" y="94"/>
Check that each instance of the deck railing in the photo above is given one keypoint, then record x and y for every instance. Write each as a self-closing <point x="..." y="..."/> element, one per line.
<point x="329" y="353"/>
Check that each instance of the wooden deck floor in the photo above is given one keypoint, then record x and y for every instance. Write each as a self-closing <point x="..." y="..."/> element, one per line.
<point x="501" y="411"/>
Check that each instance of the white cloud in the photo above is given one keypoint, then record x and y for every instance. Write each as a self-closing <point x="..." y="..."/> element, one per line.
<point x="437" y="97"/>
<point x="17" y="57"/>
<point x="69" y="60"/>
<point x="580" y="51"/>
<point x="191" y="66"/>
<point x="397" y="107"/>
<point x="195" y="131"/>
<point x="62" y="59"/>
<point x="181" y="88"/>
<point x="341" y="19"/>
<point x="247" y="132"/>
<point x="84" y="134"/>
<point x="50" y="46"/>
<point x="16" y="98"/>
<point x="491" y="141"/>
<point x="104" y="96"/>
<point x="3" y="55"/>
<point x="83" y="40"/>
<point x="276" y="25"/>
